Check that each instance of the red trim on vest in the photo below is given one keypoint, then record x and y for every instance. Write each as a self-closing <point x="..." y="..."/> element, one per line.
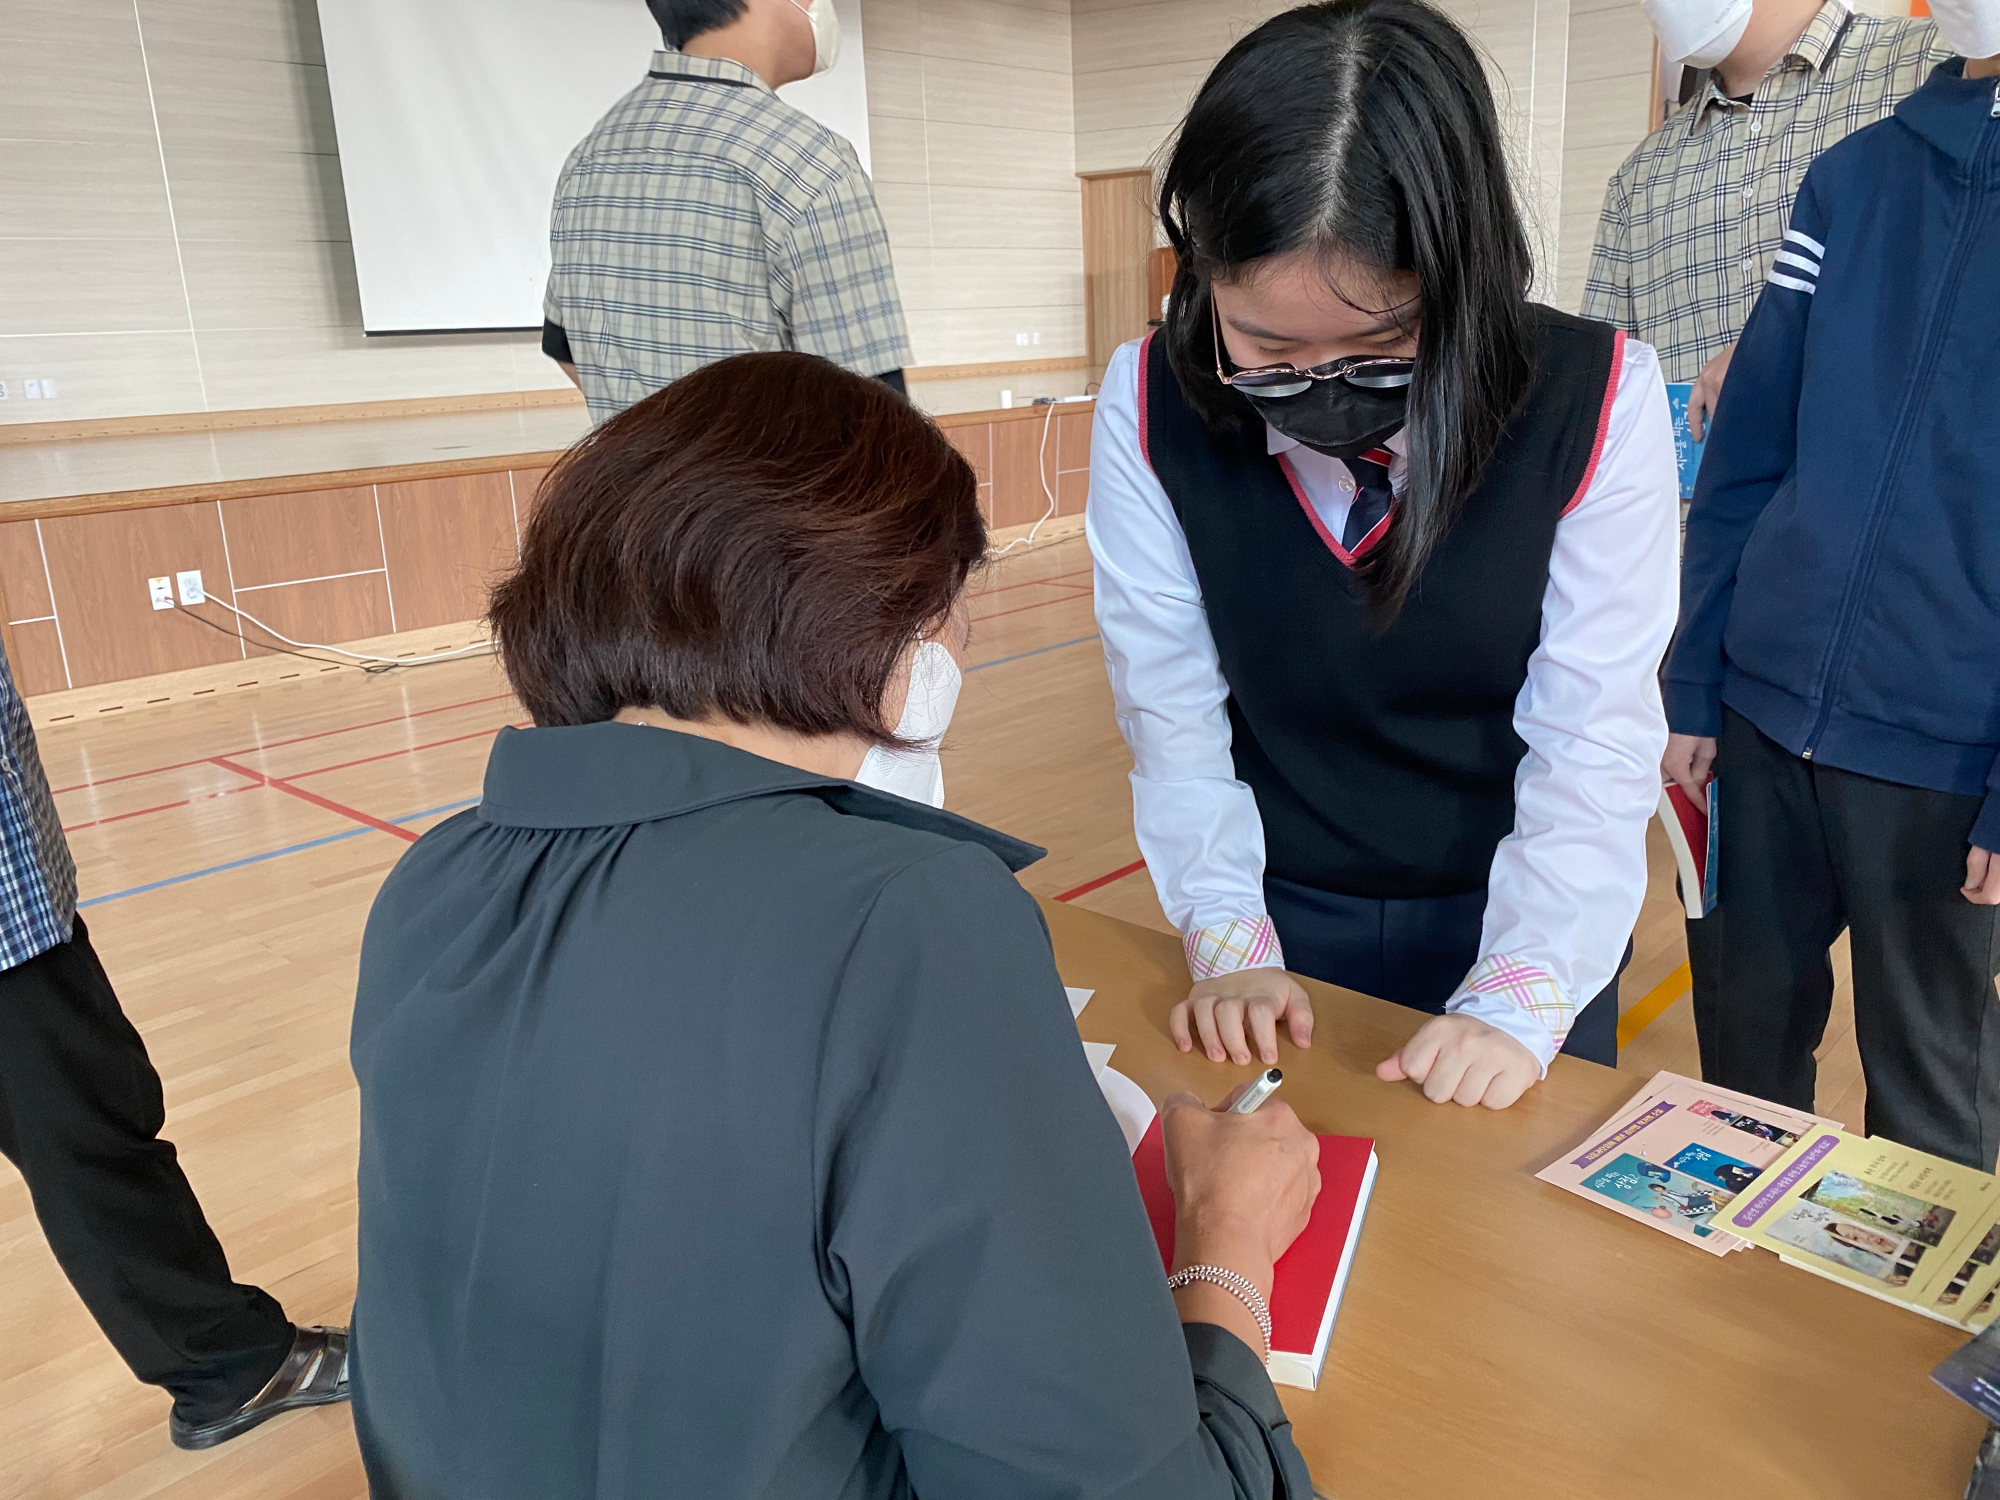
<point x="1362" y="548"/>
<point x="1603" y="422"/>
<point x="1145" y="444"/>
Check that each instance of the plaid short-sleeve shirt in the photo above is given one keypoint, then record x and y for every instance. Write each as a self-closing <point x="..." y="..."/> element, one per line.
<point x="37" y="877"/>
<point x="1694" y="217"/>
<point x="703" y="217"/>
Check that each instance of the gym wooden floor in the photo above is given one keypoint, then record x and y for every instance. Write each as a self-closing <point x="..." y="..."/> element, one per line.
<point x="228" y="852"/>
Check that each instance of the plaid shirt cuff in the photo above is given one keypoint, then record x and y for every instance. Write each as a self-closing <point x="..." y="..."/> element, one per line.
<point x="1246" y="943"/>
<point x="1518" y="998"/>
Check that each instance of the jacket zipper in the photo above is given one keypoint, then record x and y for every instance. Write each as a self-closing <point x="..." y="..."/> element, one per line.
<point x="1961" y="251"/>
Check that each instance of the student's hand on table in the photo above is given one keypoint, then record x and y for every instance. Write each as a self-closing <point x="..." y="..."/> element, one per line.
<point x="1230" y="1011"/>
<point x="1982" y="877"/>
<point x="1707" y="391"/>
<point x="1690" y="763"/>
<point x="1243" y="1188"/>
<point x="1463" y="1061"/>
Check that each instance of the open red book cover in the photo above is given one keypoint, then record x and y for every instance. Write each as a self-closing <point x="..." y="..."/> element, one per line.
<point x="1306" y="1288"/>
<point x="1693" y="832"/>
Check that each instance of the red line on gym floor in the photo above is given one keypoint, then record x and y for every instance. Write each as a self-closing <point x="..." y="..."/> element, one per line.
<point x="278" y="784"/>
<point x="1023" y="608"/>
<point x="1103" y="880"/>
<point x="457" y="739"/>
<point x="1029" y="583"/>
<point x="229" y="791"/>
<point x="300" y="739"/>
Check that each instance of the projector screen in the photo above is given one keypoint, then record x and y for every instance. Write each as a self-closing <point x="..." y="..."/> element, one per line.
<point x="454" y="118"/>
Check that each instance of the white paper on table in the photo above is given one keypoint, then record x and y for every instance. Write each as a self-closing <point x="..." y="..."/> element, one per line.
<point x="1098" y="1054"/>
<point x="1129" y="1105"/>
<point x="1078" y="999"/>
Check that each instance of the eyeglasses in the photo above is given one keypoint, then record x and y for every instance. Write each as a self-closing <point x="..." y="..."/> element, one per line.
<point x="1369" y="373"/>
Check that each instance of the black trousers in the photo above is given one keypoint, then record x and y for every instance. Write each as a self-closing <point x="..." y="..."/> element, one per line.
<point x="1413" y="952"/>
<point x="80" y="1116"/>
<point x="1807" y="852"/>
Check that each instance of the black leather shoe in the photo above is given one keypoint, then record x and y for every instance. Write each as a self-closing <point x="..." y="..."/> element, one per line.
<point x="313" y="1374"/>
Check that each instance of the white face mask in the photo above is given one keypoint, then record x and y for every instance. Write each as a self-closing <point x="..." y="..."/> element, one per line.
<point x="1700" y="33"/>
<point x="917" y="774"/>
<point x="1971" y="28"/>
<point x="826" y="33"/>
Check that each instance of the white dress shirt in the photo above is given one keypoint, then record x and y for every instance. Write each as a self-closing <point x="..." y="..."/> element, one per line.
<point x="1565" y="885"/>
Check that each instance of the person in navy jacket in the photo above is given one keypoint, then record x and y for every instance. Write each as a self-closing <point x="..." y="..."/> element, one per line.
<point x="1837" y="665"/>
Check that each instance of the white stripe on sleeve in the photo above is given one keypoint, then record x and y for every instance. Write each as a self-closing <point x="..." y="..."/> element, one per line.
<point x="1794" y="283"/>
<point x="1786" y="258"/>
<point x="1808" y="241"/>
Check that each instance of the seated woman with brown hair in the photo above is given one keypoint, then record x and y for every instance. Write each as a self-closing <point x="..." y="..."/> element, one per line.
<point x="725" y="1132"/>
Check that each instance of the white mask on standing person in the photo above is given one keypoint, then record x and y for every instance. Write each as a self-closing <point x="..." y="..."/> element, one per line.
<point x="1971" y="28"/>
<point x="1700" y="33"/>
<point x="826" y="33"/>
<point x="918" y="774"/>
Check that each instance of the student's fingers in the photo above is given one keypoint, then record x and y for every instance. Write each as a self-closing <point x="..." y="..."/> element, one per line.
<point x="1506" y="1087"/>
<point x="1390" y="1068"/>
<point x="1299" y="1018"/>
<point x="1177" y="1027"/>
<point x="1229" y="1028"/>
<point x="1445" y="1074"/>
<point x="1982" y="877"/>
<point x="1473" y="1083"/>
<point x="1205" y="1027"/>
<point x="1697" y="409"/>
<point x="1263" y="1017"/>
<point x="1703" y="765"/>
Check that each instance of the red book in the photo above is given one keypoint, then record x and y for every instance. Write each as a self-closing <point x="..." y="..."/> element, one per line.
<point x="1693" y="832"/>
<point x="1309" y="1278"/>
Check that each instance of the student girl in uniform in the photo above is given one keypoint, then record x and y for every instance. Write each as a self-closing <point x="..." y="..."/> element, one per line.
<point x="1385" y="566"/>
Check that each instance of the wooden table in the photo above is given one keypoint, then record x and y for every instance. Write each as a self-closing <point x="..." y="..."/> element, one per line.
<point x="1500" y="1337"/>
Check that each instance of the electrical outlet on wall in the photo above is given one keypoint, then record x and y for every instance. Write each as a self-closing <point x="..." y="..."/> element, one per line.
<point x="190" y="583"/>
<point x="162" y="592"/>
<point x="1021" y="339"/>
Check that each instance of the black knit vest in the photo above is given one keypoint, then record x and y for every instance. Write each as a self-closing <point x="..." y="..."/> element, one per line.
<point x="1382" y="760"/>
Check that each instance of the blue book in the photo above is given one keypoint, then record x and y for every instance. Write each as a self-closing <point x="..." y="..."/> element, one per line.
<point x="1686" y="450"/>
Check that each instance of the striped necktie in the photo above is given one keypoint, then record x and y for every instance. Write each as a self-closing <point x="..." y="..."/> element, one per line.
<point x="1372" y="495"/>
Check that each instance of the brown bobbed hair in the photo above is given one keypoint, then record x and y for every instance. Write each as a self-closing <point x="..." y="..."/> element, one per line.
<point x="760" y="542"/>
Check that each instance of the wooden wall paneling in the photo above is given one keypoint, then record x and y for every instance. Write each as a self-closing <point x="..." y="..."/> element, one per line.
<point x="22" y="578"/>
<point x="35" y="650"/>
<point x="527" y="488"/>
<point x="1118" y="239"/>
<point x="322" y="610"/>
<point x="975" y="441"/>
<point x="33" y="645"/>
<point x="98" y="567"/>
<point x="1017" y="489"/>
<point x="284" y="538"/>
<point x="1072" y="461"/>
<point x="1160" y="268"/>
<point x="445" y="541"/>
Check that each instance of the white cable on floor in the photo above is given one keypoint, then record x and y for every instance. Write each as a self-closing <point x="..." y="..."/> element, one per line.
<point x="1042" y="471"/>
<point x="393" y="661"/>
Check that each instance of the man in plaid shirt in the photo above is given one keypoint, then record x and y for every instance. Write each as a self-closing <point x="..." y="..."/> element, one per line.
<point x="1696" y="216"/>
<point x="1697" y="213"/>
<point x="80" y="1116"/>
<point x="704" y="216"/>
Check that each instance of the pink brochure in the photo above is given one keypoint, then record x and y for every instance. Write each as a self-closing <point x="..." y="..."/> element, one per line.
<point x="1679" y="1153"/>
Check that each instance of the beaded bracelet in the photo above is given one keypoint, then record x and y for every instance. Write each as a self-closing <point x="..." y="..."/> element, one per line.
<point x="1242" y="1288"/>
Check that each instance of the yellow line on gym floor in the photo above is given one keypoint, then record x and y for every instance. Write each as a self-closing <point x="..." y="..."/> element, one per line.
<point x="1649" y="1010"/>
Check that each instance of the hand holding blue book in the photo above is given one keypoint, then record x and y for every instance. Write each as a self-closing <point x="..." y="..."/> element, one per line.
<point x="1686" y="450"/>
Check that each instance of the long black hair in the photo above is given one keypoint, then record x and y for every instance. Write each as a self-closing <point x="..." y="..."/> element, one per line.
<point x="1364" y="129"/>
